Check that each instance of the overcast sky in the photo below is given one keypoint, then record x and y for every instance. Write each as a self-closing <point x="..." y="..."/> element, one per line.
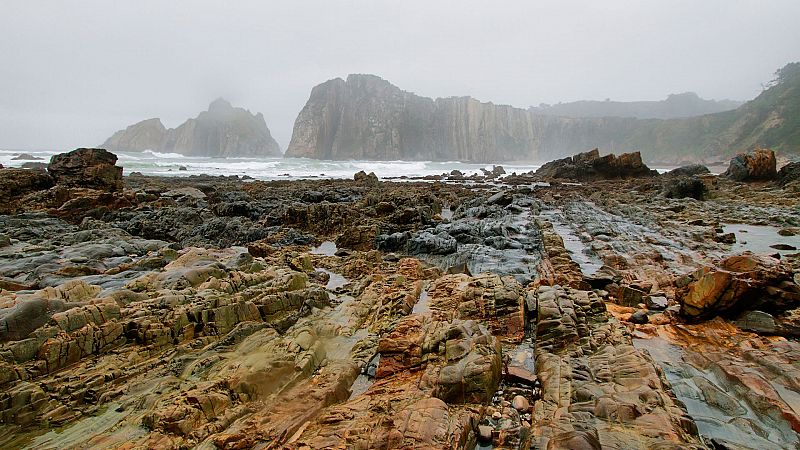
<point x="73" y="72"/>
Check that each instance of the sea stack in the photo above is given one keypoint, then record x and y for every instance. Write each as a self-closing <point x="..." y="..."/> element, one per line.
<point x="222" y="131"/>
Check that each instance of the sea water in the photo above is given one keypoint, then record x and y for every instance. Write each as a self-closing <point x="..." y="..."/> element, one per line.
<point x="150" y="162"/>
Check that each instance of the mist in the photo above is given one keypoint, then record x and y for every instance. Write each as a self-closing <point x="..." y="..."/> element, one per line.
<point x="75" y="72"/>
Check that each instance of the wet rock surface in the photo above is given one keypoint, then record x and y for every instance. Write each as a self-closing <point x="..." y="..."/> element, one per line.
<point x="757" y="165"/>
<point x="205" y="312"/>
<point x="591" y="166"/>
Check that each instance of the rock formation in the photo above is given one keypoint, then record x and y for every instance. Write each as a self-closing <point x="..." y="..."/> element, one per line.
<point x="591" y="166"/>
<point x="210" y="312"/>
<point x="87" y="167"/>
<point x="147" y="134"/>
<point x="790" y="173"/>
<point x="365" y="117"/>
<point x="754" y="166"/>
<point x="222" y="131"/>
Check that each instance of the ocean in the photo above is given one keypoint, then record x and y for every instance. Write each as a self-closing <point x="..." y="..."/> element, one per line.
<point x="169" y="164"/>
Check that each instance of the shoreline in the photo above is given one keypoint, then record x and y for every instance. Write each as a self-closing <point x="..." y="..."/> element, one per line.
<point x="185" y="311"/>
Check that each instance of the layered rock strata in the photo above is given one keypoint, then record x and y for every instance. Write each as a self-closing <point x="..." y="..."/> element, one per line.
<point x="214" y="313"/>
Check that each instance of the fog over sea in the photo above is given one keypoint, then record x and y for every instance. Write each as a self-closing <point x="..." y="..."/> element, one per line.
<point x="169" y="164"/>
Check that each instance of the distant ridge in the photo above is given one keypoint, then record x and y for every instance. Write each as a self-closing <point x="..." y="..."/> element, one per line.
<point x="687" y="104"/>
<point x="221" y="131"/>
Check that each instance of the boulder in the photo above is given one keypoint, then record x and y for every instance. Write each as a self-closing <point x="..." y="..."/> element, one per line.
<point x="740" y="283"/>
<point x="362" y="177"/>
<point x="15" y="183"/>
<point x="25" y="157"/>
<point x="436" y="244"/>
<point x="683" y="187"/>
<point x="688" y="171"/>
<point x="87" y="167"/>
<point x="789" y="173"/>
<point x="34" y="165"/>
<point x="639" y="317"/>
<point x="473" y="368"/>
<point x="591" y="166"/>
<point x="755" y="166"/>
<point x="656" y="303"/>
<point x="630" y="296"/>
<point x="520" y="403"/>
<point x="756" y="321"/>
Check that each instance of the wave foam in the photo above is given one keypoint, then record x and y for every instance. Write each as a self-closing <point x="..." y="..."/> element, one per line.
<point x="163" y="155"/>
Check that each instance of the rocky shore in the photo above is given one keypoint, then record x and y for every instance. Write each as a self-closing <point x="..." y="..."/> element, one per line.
<point x="593" y="304"/>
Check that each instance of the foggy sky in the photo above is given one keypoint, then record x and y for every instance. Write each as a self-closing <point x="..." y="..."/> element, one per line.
<point x="74" y="72"/>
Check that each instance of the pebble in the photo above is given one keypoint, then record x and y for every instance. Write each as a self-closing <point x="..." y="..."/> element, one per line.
<point x="520" y="403"/>
<point x="485" y="433"/>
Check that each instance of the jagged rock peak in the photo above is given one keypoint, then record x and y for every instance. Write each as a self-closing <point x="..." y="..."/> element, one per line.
<point x="223" y="130"/>
<point x="220" y="104"/>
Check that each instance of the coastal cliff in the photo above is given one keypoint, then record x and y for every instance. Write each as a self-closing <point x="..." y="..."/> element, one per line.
<point x="366" y="117"/>
<point x="222" y="131"/>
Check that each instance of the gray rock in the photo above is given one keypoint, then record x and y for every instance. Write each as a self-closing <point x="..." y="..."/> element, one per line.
<point x="656" y="303"/>
<point x="439" y="244"/>
<point x="756" y="321"/>
<point x="639" y="317"/>
<point x="688" y="171"/>
<point x="501" y="198"/>
<point x="683" y="187"/>
<point x="629" y="296"/>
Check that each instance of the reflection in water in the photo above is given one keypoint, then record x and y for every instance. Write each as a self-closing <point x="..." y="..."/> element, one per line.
<point x="327" y="248"/>
<point x="578" y="250"/>
<point x="758" y="238"/>
<point x="335" y="280"/>
<point x="447" y="213"/>
<point x="423" y="304"/>
<point x="722" y="409"/>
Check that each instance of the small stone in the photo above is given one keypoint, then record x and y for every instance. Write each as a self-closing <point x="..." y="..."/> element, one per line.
<point x="639" y="317"/>
<point x="182" y="168"/>
<point x="786" y="232"/>
<point x="520" y="403"/>
<point x="727" y="238"/>
<point x="783" y="247"/>
<point x="485" y="433"/>
<point x="630" y="296"/>
<point x="657" y="303"/>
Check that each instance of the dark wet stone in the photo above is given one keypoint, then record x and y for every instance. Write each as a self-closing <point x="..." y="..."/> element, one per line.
<point x="639" y="317"/>
<point x="756" y="321"/>
<point x="683" y="187"/>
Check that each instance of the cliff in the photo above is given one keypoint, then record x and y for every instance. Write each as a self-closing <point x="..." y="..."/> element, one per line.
<point x="366" y="117"/>
<point x="222" y="131"/>
<point x="147" y="134"/>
